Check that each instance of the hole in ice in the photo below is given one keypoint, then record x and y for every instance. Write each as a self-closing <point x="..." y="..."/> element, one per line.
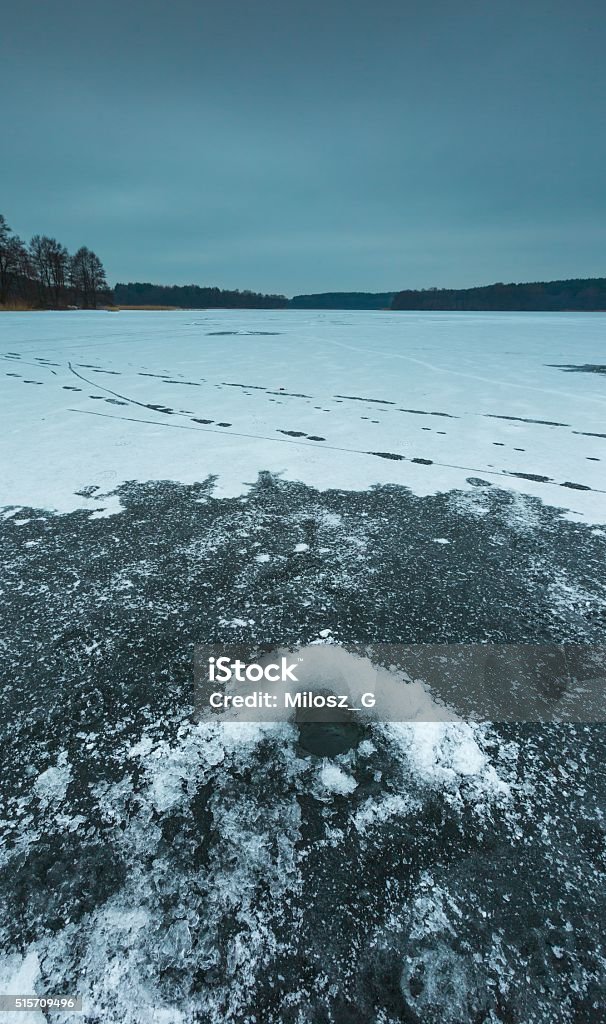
<point x="327" y="739"/>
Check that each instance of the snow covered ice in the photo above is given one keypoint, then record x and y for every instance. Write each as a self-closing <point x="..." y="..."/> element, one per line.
<point x="90" y="400"/>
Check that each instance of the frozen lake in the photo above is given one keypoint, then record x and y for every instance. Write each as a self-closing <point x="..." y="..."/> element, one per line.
<point x="334" y="399"/>
<point x="236" y="478"/>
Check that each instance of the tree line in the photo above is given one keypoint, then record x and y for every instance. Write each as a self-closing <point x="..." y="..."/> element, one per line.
<point x="343" y="300"/>
<point x="193" y="296"/>
<point x="44" y="274"/>
<point x="575" y="295"/>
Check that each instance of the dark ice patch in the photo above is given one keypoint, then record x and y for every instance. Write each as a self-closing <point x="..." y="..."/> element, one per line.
<point x="579" y="367"/>
<point x="524" y="419"/>
<point x="389" y="455"/>
<point x="423" y="412"/>
<point x="357" y="398"/>
<point x="288" y="394"/>
<point x="526" y="870"/>
<point x="537" y="477"/>
<point x="195" y="419"/>
<point x="160" y="408"/>
<point x="301" y="433"/>
<point x="423" y="462"/>
<point x="575" y="487"/>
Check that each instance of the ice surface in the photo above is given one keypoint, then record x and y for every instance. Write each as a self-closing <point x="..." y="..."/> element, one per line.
<point x="335" y="780"/>
<point x="168" y="870"/>
<point x="168" y="915"/>
<point x="51" y="785"/>
<point x="347" y="400"/>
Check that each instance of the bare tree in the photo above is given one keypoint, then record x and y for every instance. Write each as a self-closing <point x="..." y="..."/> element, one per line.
<point x="40" y="264"/>
<point x="87" y="277"/>
<point x="50" y="261"/>
<point x="58" y="259"/>
<point x="45" y="270"/>
<point x="98" y="280"/>
<point x="13" y="261"/>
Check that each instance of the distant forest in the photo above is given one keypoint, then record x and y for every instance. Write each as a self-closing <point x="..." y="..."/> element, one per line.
<point x="577" y="295"/>
<point x="192" y="296"/>
<point x="42" y="274"/>
<point x="343" y="300"/>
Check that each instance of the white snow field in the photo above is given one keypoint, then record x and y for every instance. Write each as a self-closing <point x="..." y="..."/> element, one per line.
<point x="91" y="399"/>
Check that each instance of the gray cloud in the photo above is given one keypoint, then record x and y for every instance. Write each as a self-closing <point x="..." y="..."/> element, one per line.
<point x="317" y="146"/>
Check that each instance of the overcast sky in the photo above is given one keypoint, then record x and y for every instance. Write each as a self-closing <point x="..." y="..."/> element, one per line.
<point x="310" y="146"/>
